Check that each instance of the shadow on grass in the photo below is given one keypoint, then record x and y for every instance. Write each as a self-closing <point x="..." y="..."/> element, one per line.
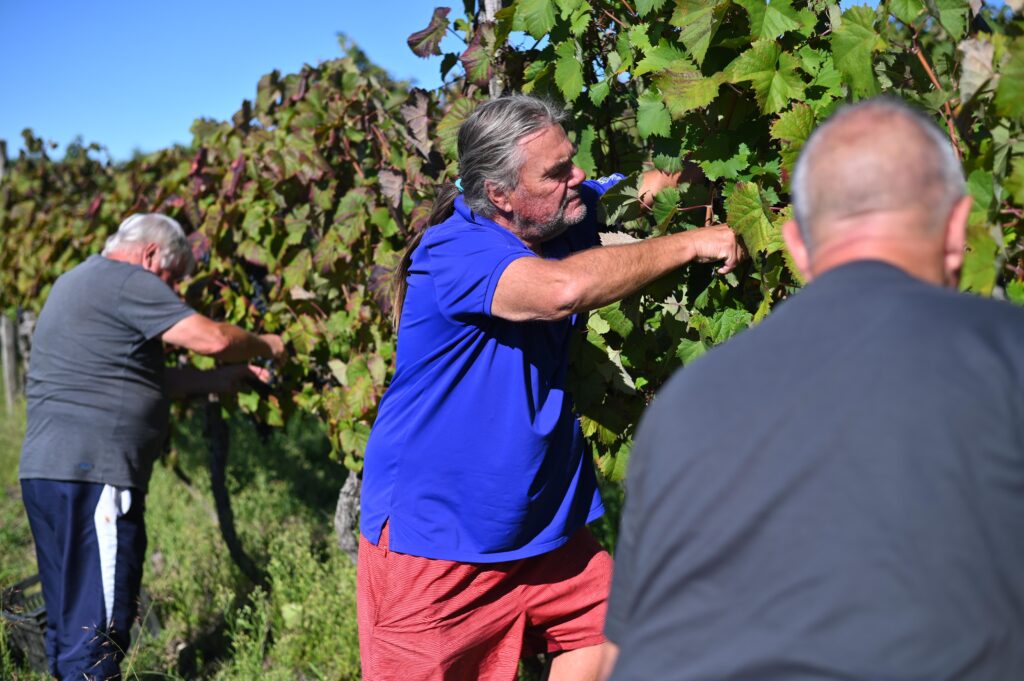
<point x="297" y="456"/>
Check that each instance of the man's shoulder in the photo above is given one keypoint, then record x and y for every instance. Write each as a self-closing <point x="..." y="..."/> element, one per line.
<point x="458" y="232"/>
<point x="100" y="268"/>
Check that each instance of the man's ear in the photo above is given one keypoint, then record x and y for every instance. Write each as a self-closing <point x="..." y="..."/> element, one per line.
<point x="797" y="248"/>
<point x="956" y="239"/>
<point x="498" y="197"/>
<point x="151" y="257"/>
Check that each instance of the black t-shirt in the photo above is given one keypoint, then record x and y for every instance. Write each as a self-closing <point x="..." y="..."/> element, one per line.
<point x="96" y="405"/>
<point x="837" y="493"/>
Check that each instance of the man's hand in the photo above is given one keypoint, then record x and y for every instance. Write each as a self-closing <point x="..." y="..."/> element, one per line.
<point x="241" y="378"/>
<point x="718" y="242"/>
<point x="275" y="347"/>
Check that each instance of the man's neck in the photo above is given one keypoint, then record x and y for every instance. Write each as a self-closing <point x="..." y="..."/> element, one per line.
<point x="916" y="252"/>
<point x="130" y="256"/>
<point x="506" y="222"/>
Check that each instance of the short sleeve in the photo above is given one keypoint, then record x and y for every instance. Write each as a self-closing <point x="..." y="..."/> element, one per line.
<point x="465" y="264"/>
<point x="149" y="306"/>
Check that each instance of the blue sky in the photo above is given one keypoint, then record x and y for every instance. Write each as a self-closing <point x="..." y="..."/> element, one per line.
<point x="136" y="74"/>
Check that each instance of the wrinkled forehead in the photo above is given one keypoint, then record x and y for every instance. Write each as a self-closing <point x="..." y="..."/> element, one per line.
<point x="553" y="131"/>
<point x="545" y="149"/>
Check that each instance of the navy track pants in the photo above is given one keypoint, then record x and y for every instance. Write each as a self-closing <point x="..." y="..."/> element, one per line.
<point x="90" y="545"/>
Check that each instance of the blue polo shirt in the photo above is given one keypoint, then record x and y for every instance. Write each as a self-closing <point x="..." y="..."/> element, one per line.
<point x="476" y="454"/>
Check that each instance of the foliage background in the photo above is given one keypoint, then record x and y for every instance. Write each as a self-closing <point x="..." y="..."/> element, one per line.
<point x="300" y="204"/>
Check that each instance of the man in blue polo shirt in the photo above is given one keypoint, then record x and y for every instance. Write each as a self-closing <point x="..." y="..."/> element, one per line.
<point x="477" y="488"/>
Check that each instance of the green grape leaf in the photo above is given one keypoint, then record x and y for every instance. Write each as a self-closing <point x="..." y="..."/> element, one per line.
<point x="448" y="126"/>
<point x="952" y="14"/>
<point x="616" y="319"/>
<point x="689" y="350"/>
<point x="979" y="273"/>
<point x="427" y="42"/>
<point x="598" y="92"/>
<point x="567" y="7"/>
<point x="475" y="60"/>
<point x="726" y="323"/>
<point x="580" y="21"/>
<point x="584" y="151"/>
<point x="906" y="10"/>
<point x="687" y="90"/>
<point x="295" y="272"/>
<point x="638" y="38"/>
<point x="663" y="56"/>
<point x="667" y="153"/>
<point x="1014" y="183"/>
<point x="249" y="401"/>
<point x="1015" y="291"/>
<point x="645" y="7"/>
<point x="793" y="127"/>
<point x="598" y="324"/>
<point x="698" y="21"/>
<point x="771" y="72"/>
<point x="569" y="70"/>
<point x="747" y="214"/>
<point x="536" y="17"/>
<point x="730" y="168"/>
<point x="652" y="118"/>
<point x="982" y="189"/>
<point x="853" y="45"/>
<point x="1010" y="90"/>
<point x="665" y="204"/>
<point x="354" y="439"/>
<point x="769" y="21"/>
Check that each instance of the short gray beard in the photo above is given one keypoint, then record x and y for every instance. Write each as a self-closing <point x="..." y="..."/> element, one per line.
<point x="554" y="227"/>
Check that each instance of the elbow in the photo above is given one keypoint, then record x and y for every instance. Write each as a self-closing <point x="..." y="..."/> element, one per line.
<point x="566" y="299"/>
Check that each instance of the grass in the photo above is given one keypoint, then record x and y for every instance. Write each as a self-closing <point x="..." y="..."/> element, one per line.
<point x="214" y="623"/>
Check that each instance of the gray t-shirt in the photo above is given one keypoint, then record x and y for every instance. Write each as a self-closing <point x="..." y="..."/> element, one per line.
<point x="97" y="411"/>
<point x="837" y="493"/>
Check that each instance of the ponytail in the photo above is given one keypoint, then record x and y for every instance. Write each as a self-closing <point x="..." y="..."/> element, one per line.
<point x="441" y="210"/>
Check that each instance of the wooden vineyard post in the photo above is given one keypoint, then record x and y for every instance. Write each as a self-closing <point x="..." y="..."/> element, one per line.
<point x="9" y="351"/>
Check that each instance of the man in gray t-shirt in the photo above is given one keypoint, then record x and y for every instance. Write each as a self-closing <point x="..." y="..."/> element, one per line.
<point x="98" y="397"/>
<point x="838" y="493"/>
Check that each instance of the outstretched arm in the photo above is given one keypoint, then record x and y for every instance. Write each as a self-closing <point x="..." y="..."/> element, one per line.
<point x="226" y="342"/>
<point x="535" y="288"/>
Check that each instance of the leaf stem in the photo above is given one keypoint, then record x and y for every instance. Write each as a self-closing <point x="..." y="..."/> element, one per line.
<point x="614" y="18"/>
<point x="457" y="35"/>
<point x="916" y="51"/>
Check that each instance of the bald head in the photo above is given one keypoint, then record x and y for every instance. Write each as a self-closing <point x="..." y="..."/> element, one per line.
<point x="875" y="157"/>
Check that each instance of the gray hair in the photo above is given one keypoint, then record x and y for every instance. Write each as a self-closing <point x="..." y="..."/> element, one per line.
<point x="489" y="144"/>
<point x="154" y="228"/>
<point x="938" y="178"/>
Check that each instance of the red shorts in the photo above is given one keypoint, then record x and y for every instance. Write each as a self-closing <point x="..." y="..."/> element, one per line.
<point x="429" y="620"/>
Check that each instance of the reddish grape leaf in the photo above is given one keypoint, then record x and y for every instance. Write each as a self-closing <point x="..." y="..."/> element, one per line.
<point x="427" y="42"/>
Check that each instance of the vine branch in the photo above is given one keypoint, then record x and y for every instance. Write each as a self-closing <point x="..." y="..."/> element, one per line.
<point x="919" y="53"/>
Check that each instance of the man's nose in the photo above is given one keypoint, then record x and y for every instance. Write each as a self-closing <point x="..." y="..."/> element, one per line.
<point x="577" y="175"/>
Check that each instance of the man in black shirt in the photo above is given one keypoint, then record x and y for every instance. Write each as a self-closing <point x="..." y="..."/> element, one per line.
<point x="839" y="492"/>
